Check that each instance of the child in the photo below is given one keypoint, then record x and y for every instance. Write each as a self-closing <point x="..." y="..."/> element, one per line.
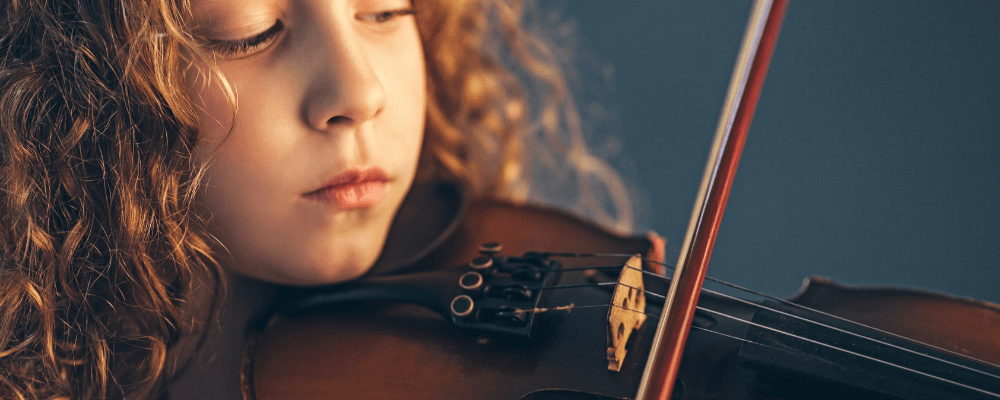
<point x="155" y="152"/>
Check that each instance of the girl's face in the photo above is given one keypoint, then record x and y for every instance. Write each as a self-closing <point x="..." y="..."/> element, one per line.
<point x="331" y="101"/>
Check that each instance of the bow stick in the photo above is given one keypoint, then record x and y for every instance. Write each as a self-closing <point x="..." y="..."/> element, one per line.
<point x="730" y="135"/>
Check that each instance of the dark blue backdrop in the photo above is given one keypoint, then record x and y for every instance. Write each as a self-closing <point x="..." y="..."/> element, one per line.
<point x="873" y="156"/>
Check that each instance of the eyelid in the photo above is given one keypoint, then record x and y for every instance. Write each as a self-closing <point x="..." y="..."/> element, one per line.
<point x="387" y="15"/>
<point x="241" y="47"/>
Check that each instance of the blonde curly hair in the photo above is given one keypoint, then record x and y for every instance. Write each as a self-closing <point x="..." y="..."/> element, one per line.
<point x="101" y="249"/>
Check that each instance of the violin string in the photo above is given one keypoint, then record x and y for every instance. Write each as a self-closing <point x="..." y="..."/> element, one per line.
<point x="834" y="347"/>
<point x="752" y="304"/>
<point x="777" y="349"/>
<point x="605" y="255"/>
<point x="778" y="331"/>
<point x="945" y="380"/>
<point x="761" y="306"/>
<point x="932" y="376"/>
<point x="572" y="306"/>
<point x="635" y="311"/>
<point x="786" y="302"/>
<point x="582" y="285"/>
<point x="799" y="306"/>
<point x="802" y="307"/>
<point x="780" y="300"/>
<point x="734" y="337"/>
<point x="908" y="350"/>
<point x="602" y="267"/>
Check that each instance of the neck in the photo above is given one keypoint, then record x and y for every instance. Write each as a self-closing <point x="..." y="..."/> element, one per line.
<point x="214" y="372"/>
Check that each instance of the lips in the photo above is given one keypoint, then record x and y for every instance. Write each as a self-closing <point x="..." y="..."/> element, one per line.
<point x="353" y="189"/>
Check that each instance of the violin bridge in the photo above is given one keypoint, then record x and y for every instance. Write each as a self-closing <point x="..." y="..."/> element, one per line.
<point x="627" y="312"/>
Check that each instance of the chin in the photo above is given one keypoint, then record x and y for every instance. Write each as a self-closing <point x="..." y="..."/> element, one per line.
<point x="340" y="273"/>
<point x="331" y="270"/>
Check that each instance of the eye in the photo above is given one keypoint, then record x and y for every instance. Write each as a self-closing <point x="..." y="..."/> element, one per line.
<point x="381" y="17"/>
<point x="243" y="47"/>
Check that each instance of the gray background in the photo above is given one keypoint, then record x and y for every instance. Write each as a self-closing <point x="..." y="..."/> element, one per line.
<point x="873" y="155"/>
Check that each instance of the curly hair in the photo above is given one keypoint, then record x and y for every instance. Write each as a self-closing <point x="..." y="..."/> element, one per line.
<point x="498" y="100"/>
<point x="102" y="251"/>
<point x="99" y="243"/>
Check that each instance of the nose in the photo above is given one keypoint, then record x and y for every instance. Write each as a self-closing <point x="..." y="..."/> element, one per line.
<point x="344" y="89"/>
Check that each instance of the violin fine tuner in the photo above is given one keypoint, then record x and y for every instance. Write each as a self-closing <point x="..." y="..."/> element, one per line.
<point x="490" y="293"/>
<point x="501" y="293"/>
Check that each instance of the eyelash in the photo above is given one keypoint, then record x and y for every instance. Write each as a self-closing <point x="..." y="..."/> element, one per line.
<point x="232" y="48"/>
<point x="382" y="17"/>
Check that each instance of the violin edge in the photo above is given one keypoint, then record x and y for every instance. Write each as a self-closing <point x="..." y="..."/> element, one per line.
<point x="811" y="285"/>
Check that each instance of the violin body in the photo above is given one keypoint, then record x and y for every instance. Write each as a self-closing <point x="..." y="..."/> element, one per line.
<point x="383" y="350"/>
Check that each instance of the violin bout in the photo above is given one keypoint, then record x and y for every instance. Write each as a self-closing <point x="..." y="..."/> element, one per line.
<point x="627" y="311"/>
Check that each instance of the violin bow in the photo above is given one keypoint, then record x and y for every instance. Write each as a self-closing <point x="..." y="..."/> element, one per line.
<point x="730" y="135"/>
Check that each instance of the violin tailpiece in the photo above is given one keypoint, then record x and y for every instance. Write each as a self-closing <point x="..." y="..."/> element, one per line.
<point x="627" y="311"/>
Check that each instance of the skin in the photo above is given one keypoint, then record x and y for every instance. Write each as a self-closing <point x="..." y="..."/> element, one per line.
<point x="340" y="87"/>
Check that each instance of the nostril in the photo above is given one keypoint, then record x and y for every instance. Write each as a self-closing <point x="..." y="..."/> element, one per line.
<point x="340" y="119"/>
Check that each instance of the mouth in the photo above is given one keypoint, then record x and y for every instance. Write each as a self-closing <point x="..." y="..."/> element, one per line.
<point x="353" y="189"/>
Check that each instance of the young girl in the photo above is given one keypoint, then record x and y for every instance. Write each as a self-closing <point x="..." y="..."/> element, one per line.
<point x="153" y="153"/>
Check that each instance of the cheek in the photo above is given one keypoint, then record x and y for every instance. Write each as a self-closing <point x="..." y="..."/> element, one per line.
<point x="406" y="92"/>
<point x="214" y="108"/>
<point x="244" y="187"/>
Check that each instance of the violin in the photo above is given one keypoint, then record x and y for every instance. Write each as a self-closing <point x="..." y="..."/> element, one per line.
<point x="323" y="347"/>
<point x="523" y="302"/>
